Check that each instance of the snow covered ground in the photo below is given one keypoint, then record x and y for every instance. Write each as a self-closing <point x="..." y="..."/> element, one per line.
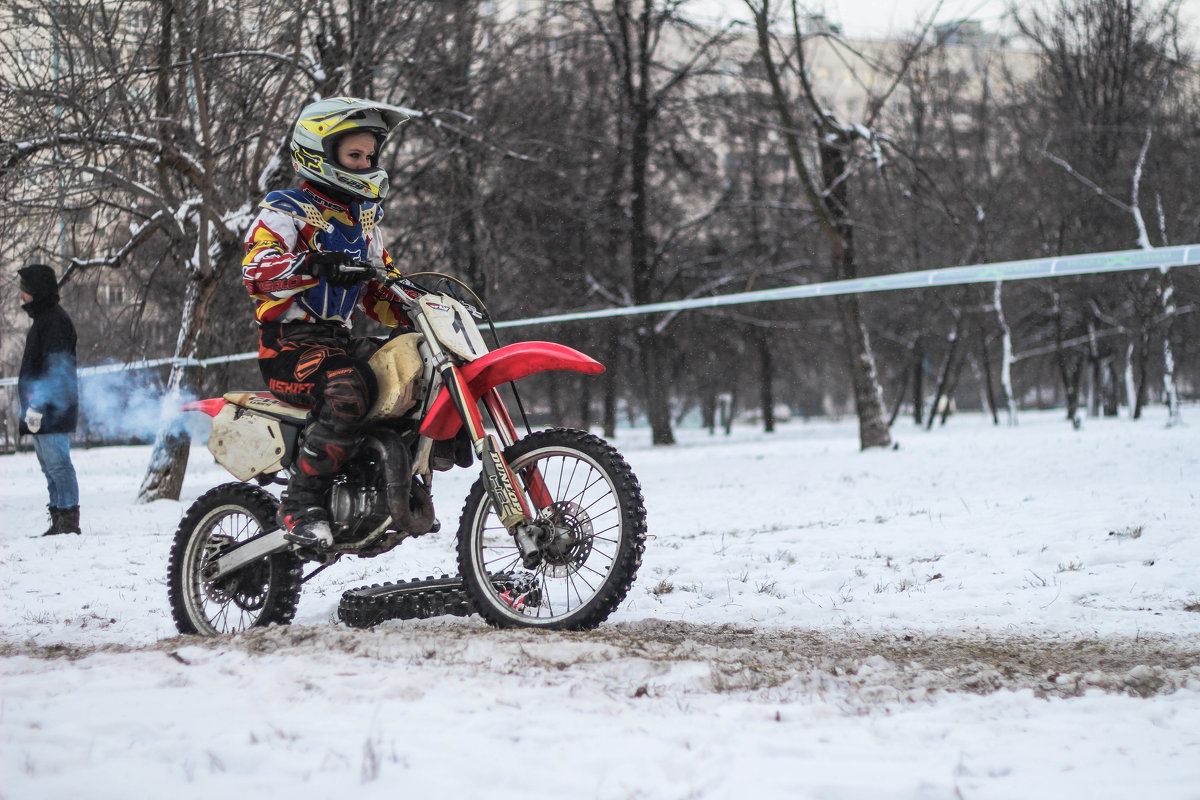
<point x="982" y="613"/>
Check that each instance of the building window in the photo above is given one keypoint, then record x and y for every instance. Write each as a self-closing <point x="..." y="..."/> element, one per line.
<point x="110" y="295"/>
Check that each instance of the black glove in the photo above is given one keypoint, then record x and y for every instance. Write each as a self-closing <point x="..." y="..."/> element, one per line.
<point x="335" y="267"/>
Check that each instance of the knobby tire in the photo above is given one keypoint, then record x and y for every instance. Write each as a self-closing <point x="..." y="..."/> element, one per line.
<point x="597" y="499"/>
<point x="262" y="593"/>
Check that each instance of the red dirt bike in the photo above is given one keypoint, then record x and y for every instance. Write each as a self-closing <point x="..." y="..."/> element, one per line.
<point x="551" y="535"/>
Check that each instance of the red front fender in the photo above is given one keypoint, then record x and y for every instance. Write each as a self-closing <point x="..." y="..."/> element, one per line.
<point x="501" y="366"/>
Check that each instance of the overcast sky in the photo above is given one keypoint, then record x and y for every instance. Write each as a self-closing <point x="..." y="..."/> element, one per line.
<point x="878" y="18"/>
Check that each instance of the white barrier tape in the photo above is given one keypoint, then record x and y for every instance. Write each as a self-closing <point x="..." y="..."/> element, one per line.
<point x="106" y="369"/>
<point x="1162" y="258"/>
<point x="1095" y="263"/>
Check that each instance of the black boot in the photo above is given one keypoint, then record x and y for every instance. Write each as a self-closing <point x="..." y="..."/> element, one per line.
<point x="302" y="507"/>
<point x="302" y="510"/>
<point x="53" y="529"/>
<point x="68" y="520"/>
<point x="63" y="520"/>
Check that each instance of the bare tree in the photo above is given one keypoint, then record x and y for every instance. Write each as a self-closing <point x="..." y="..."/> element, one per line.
<point x="951" y="173"/>
<point x="148" y="111"/>
<point x="563" y="163"/>
<point x="1114" y="73"/>
<point x="828" y="196"/>
<point x="633" y="32"/>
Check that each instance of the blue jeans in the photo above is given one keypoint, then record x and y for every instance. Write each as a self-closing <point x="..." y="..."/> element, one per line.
<point x="54" y="455"/>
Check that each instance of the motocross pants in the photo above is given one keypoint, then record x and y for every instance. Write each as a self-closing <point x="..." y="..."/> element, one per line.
<point x="321" y="367"/>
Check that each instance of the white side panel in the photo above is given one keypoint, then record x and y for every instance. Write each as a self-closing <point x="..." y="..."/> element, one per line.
<point x="454" y="327"/>
<point x="246" y="445"/>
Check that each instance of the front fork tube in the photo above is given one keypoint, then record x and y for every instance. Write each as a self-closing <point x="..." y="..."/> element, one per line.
<point x="534" y="485"/>
<point x="498" y="479"/>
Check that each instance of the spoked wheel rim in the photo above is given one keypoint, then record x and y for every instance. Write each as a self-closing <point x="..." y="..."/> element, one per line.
<point x="585" y="513"/>
<point x="236" y="602"/>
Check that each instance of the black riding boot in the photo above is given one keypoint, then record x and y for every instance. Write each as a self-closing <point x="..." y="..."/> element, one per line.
<point x="302" y="507"/>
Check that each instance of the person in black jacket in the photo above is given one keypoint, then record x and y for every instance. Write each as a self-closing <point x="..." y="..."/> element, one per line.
<point x="49" y="392"/>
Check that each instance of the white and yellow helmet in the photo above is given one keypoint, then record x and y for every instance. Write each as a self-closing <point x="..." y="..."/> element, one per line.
<point x="315" y="137"/>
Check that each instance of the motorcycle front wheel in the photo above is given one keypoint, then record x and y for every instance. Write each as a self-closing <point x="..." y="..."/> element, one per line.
<point x="263" y="592"/>
<point x="591" y="500"/>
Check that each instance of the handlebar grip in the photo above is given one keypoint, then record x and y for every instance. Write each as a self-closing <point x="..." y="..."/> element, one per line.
<point x="374" y="268"/>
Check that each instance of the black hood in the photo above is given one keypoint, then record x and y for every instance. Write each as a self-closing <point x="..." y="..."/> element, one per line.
<point x="39" y="281"/>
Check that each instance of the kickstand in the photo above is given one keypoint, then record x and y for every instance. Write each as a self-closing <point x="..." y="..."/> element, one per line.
<point x="321" y="568"/>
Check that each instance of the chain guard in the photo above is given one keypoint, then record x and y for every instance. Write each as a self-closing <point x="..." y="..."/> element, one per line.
<point x="367" y="606"/>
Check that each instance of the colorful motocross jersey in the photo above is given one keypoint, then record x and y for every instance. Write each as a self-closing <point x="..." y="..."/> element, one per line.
<point x="294" y="221"/>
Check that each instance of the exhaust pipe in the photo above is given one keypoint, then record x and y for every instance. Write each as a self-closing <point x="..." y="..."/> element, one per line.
<point x="409" y="503"/>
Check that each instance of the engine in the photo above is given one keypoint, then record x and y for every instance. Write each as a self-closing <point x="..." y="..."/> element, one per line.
<point x="357" y="502"/>
<point x="377" y="484"/>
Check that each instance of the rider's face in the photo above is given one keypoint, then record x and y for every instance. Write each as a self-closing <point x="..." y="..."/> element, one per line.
<point x="356" y="150"/>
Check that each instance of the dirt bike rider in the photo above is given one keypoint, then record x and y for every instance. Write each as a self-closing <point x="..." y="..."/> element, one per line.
<point x="299" y="269"/>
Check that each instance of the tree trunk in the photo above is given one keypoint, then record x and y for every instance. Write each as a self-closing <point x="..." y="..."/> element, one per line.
<point x="612" y="363"/>
<point x="657" y="396"/>
<point x="900" y="392"/>
<point x="918" y="393"/>
<point x="708" y="409"/>
<point x="658" y="412"/>
<point x="1112" y="388"/>
<point x="1095" y="370"/>
<point x="1072" y="374"/>
<point x="985" y="367"/>
<point x="1007" y="395"/>
<point x="641" y="260"/>
<point x="172" y="445"/>
<point x="766" y="378"/>
<point x="168" y="460"/>
<point x="1143" y="372"/>
<point x="731" y="411"/>
<point x="1069" y="371"/>
<point x="1166" y="297"/>
<point x="1131" y="387"/>
<point x="868" y="395"/>
<point x="946" y="375"/>
<point x="830" y="204"/>
<point x="708" y="395"/>
<point x="952" y="386"/>
<point x="585" y="402"/>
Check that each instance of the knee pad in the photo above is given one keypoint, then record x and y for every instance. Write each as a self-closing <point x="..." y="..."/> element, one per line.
<point x="348" y="393"/>
<point x="325" y="450"/>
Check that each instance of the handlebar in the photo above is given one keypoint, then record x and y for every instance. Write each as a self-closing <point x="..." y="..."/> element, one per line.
<point x="409" y="290"/>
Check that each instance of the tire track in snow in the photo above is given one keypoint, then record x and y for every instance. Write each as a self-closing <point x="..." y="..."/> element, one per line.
<point x="653" y="657"/>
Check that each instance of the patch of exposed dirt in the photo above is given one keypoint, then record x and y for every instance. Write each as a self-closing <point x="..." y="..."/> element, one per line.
<point x="916" y="664"/>
<point x="861" y="670"/>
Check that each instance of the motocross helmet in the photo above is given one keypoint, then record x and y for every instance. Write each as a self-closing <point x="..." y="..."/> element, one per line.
<point x="316" y="134"/>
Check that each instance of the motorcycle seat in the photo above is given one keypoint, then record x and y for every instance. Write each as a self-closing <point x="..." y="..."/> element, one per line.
<point x="266" y="403"/>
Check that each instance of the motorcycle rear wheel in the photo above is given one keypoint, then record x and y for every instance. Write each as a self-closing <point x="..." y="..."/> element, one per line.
<point x="261" y="593"/>
<point x="595" y="503"/>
